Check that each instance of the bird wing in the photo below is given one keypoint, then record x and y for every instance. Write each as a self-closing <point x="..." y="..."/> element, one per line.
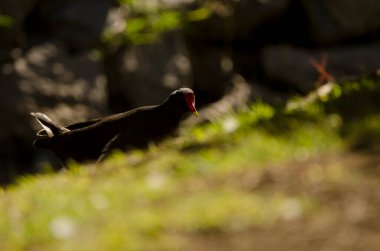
<point x="82" y="124"/>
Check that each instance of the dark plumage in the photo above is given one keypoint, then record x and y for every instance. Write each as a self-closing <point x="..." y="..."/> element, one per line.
<point x="93" y="139"/>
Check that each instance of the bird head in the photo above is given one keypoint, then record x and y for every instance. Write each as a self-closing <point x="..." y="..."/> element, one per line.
<point x="188" y="96"/>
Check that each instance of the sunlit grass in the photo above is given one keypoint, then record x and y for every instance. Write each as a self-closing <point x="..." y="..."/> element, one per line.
<point x="212" y="178"/>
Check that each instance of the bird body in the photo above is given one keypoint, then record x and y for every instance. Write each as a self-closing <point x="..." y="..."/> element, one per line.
<point x="93" y="139"/>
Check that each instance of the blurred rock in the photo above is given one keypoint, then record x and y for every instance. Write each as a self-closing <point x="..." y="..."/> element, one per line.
<point x="212" y="68"/>
<point x="235" y="99"/>
<point x="47" y="79"/>
<point x="12" y="34"/>
<point x="79" y="24"/>
<point x="237" y="19"/>
<point x="71" y="86"/>
<point x="145" y="74"/>
<point x="333" y="21"/>
<point x="292" y="66"/>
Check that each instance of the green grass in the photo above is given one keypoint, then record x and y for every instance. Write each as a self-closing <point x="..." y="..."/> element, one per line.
<point x="210" y="179"/>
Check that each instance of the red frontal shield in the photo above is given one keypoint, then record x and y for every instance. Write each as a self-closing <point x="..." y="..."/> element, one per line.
<point x="190" y="100"/>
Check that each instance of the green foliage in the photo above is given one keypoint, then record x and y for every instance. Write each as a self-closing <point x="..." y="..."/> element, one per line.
<point x="147" y="29"/>
<point x="355" y="107"/>
<point x="198" y="14"/>
<point x="147" y="20"/>
<point x="6" y="21"/>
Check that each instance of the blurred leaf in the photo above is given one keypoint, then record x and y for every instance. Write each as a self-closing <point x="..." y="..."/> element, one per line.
<point x="198" y="14"/>
<point x="6" y="21"/>
<point x="147" y="20"/>
<point x="168" y="20"/>
<point x="136" y="25"/>
<point x="126" y="2"/>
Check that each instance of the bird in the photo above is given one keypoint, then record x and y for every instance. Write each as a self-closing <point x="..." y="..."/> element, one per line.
<point x="94" y="139"/>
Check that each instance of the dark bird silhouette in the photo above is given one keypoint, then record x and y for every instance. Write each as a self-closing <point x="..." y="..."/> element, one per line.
<point x="94" y="139"/>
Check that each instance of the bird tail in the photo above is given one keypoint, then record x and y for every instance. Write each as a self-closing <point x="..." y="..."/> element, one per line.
<point x="49" y="127"/>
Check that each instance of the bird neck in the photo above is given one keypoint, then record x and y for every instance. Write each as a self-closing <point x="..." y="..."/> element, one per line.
<point x="174" y="110"/>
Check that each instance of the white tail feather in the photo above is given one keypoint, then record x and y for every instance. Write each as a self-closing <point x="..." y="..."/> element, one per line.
<point x="49" y="127"/>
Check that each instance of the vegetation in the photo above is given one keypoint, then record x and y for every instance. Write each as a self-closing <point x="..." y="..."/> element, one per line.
<point x="146" y="20"/>
<point x="254" y="169"/>
<point x="6" y="21"/>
